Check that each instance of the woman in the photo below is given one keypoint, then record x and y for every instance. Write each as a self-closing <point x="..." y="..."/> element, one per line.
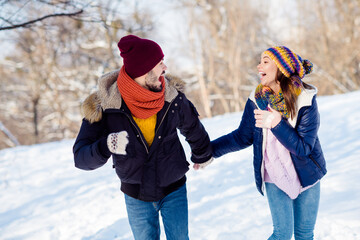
<point x="281" y="121"/>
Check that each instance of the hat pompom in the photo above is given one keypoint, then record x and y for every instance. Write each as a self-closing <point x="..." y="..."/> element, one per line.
<point x="308" y="66"/>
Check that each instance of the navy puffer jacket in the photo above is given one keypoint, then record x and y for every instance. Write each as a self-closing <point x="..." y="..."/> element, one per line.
<point x="146" y="173"/>
<point x="299" y="136"/>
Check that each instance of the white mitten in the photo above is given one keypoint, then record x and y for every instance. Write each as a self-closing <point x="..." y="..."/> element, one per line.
<point x="117" y="142"/>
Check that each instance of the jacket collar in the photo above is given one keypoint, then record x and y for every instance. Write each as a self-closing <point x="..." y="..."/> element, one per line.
<point x="304" y="99"/>
<point x="109" y="97"/>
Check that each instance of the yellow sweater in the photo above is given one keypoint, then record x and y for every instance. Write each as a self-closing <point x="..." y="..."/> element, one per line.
<point x="147" y="127"/>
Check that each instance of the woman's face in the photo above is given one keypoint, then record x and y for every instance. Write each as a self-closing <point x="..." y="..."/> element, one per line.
<point x="268" y="71"/>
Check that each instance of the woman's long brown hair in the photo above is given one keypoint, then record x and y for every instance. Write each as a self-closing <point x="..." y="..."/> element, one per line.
<point x="288" y="91"/>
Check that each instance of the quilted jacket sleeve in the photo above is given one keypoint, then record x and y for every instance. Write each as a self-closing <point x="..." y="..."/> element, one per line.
<point x="194" y="132"/>
<point x="90" y="148"/>
<point x="240" y="138"/>
<point x="301" y="140"/>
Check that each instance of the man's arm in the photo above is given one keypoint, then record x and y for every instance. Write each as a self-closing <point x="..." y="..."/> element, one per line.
<point x="90" y="148"/>
<point x="194" y="132"/>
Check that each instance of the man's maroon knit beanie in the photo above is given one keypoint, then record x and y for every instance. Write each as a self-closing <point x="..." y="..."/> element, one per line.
<point x="140" y="55"/>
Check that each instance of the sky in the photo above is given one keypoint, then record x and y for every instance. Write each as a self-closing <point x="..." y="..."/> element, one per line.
<point x="43" y="196"/>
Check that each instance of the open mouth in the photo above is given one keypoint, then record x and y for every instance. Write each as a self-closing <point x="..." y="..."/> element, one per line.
<point x="162" y="75"/>
<point x="262" y="74"/>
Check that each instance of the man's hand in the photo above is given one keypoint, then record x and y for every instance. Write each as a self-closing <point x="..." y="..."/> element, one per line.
<point x="267" y="119"/>
<point x="117" y="142"/>
<point x="198" y="166"/>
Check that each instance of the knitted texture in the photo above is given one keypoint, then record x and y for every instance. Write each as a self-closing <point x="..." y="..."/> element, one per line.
<point x="139" y="55"/>
<point x="147" y="127"/>
<point x="280" y="168"/>
<point x="265" y="96"/>
<point x="142" y="102"/>
<point x="288" y="62"/>
<point x="117" y="142"/>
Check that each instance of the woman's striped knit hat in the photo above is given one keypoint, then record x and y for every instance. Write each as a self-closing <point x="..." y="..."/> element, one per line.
<point x="288" y="62"/>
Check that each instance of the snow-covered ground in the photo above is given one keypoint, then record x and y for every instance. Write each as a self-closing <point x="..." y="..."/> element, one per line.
<point x="43" y="196"/>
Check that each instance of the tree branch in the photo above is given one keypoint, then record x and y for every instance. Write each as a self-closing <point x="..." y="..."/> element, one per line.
<point x="9" y="134"/>
<point x="21" y="25"/>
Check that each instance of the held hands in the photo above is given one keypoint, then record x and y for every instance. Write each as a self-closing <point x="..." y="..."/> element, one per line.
<point x="198" y="166"/>
<point x="117" y="142"/>
<point x="266" y="119"/>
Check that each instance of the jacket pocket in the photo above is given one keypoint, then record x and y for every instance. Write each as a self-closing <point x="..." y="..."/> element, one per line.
<point x="169" y="143"/>
<point x="315" y="162"/>
<point x="172" y="164"/>
<point x="128" y="167"/>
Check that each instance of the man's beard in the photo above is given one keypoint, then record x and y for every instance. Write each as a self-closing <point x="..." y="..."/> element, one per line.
<point x="150" y="79"/>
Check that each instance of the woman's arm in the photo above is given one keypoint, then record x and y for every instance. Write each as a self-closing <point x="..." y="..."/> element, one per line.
<point x="240" y="138"/>
<point x="300" y="141"/>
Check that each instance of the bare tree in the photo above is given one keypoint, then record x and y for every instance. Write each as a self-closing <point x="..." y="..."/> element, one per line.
<point x="228" y="36"/>
<point x="10" y="136"/>
<point x="225" y="36"/>
<point x="330" y="36"/>
<point x="55" y="67"/>
<point x="12" y="15"/>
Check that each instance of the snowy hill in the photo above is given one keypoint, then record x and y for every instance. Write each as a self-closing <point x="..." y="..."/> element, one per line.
<point x="43" y="196"/>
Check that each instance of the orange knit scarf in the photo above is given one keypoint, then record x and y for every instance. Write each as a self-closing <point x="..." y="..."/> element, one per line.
<point x="142" y="102"/>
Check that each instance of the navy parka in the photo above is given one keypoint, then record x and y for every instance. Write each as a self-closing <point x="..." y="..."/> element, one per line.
<point x="299" y="136"/>
<point x="146" y="173"/>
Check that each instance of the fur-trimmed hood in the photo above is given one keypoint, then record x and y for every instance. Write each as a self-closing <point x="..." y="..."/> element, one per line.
<point x="108" y="95"/>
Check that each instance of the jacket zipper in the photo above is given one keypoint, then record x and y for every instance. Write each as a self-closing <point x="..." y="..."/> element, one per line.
<point x="316" y="163"/>
<point x="162" y="120"/>
<point x="142" y="140"/>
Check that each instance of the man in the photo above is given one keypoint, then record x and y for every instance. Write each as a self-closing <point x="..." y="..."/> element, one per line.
<point x="134" y="117"/>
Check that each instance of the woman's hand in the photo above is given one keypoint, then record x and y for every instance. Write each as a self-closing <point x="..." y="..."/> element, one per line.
<point x="267" y="119"/>
<point x="198" y="166"/>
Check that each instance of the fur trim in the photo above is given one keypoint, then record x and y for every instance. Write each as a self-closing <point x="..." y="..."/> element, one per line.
<point x="108" y="95"/>
<point x="172" y="86"/>
<point x="108" y="91"/>
<point x="176" y="82"/>
<point x="91" y="108"/>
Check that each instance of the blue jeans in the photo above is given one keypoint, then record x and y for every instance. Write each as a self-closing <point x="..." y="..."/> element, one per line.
<point x="288" y="215"/>
<point x="144" y="216"/>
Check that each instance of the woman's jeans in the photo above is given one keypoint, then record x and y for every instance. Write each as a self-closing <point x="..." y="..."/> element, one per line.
<point x="288" y="215"/>
<point x="144" y="216"/>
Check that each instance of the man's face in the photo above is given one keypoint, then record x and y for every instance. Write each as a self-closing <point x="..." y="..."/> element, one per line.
<point x="152" y="79"/>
